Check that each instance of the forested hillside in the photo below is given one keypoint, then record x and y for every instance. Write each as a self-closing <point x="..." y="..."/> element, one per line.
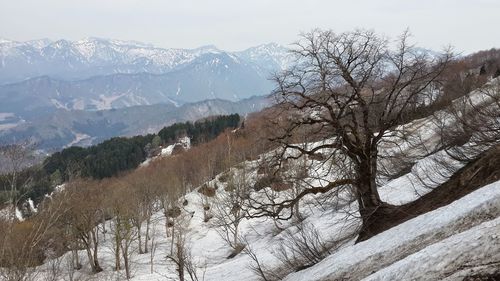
<point x="107" y="159"/>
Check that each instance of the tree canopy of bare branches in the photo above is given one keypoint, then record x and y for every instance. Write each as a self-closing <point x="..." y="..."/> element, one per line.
<point x="352" y="89"/>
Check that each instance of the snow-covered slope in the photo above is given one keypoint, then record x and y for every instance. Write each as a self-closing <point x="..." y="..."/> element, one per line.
<point x="423" y="237"/>
<point x="448" y="242"/>
<point x="457" y="256"/>
<point x="184" y="143"/>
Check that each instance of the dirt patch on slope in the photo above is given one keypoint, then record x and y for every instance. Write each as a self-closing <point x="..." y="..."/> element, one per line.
<point x="480" y="172"/>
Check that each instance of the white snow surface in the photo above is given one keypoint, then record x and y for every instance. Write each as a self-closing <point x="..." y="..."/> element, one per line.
<point x="184" y="142"/>
<point x="410" y="237"/>
<point x="482" y="242"/>
<point x="439" y="241"/>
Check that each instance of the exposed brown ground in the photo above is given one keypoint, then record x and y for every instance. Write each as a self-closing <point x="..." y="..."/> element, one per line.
<point x="480" y="172"/>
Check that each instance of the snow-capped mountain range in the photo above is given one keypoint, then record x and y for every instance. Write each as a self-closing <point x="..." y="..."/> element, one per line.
<point x="74" y="60"/>
<point x="41" y="76"/>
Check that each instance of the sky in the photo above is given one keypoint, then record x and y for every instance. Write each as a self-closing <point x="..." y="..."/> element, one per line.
<point x="467" y="25"/>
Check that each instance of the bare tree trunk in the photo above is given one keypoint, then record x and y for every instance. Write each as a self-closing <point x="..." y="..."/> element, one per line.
<point x="117" y="253"/>
<point x="103" y="222"/>
<point x="97" y="267"/>
<point x="152" y="254"/>
<point x="166" y="223"/>
<point x="139" y="237"/>
<point x="368" y="197"/>
<point x="181" y="270"/>
<point x="173" y="238"/>
<point x="148" y="223"/>
<point x="297" y="211"/>
<point x="126" y="262"/>
<point x="235" y="237"/>
<point x="75" y="259"/>
<point x="372" y="209"/>
<point x="89" y="256"/>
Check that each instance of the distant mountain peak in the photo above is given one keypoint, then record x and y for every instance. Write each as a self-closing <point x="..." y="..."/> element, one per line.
<point x="61" y="43"/>
<point x="107" y="41"/>
<point x="207" y="49"/>
<point x="4" y="40"/>
<point x="271" y="56"/>
<point x="266" y="47"/>
<point x="40" y="43"/>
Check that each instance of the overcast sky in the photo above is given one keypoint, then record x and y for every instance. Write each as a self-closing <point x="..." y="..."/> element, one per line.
<point x="468" y="25"/>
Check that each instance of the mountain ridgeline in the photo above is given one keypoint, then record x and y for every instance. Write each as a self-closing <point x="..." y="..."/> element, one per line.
<point x="89" y="57"/>
<point x="210" y="76"/>
<point x="64" y="128"/>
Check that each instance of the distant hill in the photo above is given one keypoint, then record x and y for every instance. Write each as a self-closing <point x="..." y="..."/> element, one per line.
<point x="63" y="128"/>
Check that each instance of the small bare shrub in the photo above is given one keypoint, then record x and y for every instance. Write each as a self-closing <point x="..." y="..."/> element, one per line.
<point x="224" y="177"/>
<point x="207" y="190"/>
<point x="266" y="181"/>
<point x="280" y="186"/>
<point x="173" y="212"/>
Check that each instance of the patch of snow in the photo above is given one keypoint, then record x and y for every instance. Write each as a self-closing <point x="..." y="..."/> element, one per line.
<point x="19" y="215"/>
<point x="176" y="104"/>
<point x="79" y="137"/>
<point x="105" y="102"/>
<point x="60" y="187"/>
<point x="32" y="205"/>
<point x="8" y="126"/>
<point x="184" y="142"/>
<point x="178" y="89"/>
<point x="58" y="104"/>
<point x="6" y="115"/>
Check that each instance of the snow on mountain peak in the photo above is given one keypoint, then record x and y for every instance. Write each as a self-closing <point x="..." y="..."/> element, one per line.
<point x="39" y="43"/>
<point x="61" y="43"/>
<point x="270" y="56"/>
<point x="93" y="56"/>
<point x="105" y="41"/>
<point x="4" y="41"/>
<point x="208" y="49"/>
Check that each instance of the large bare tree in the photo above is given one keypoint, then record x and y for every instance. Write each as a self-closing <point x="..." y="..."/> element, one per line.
<point x="351" y="89"/>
